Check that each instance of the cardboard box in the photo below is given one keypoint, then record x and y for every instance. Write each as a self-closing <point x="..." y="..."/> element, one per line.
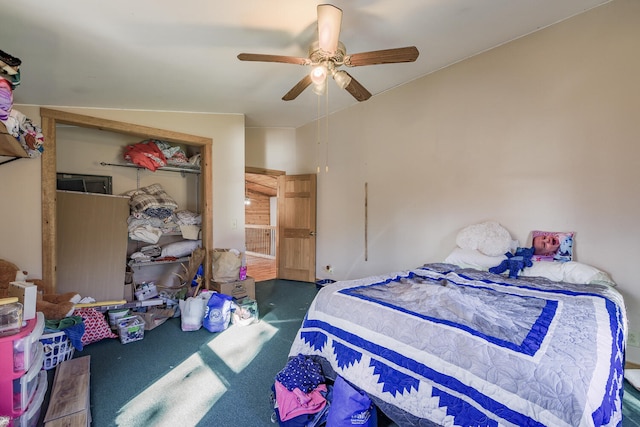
<point x="156" y="316"/>
<point x="27" y="293"/>
<point x="238" y="289"/>
<point x="146" y="291"/>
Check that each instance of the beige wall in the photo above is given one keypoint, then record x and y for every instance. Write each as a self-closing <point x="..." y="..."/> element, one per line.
<point x="20" y="229"/>
<point x="540" y="133"/>
<point x="275" y="147"/>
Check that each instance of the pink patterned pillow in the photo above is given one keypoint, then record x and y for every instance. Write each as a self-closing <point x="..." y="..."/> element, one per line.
<point x="564" y="253"/>
<point x="96" y="327"/>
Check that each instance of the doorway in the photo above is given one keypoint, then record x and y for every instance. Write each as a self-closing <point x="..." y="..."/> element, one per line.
<point x="261" y="222"/>
<point x="280" y="225"/>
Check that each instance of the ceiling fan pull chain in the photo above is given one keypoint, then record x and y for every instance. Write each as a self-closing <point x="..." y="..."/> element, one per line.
<point x="326" y="114"/>
<point x="318" y="139"/>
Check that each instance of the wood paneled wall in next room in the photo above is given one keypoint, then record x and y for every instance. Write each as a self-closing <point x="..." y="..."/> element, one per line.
<point x="257" y="213"/>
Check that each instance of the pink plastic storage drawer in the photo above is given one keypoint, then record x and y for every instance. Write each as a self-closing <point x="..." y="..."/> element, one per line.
<point x="30" y="417"/>
<point x="24" y="387"/>
<point x="24" y="349"/>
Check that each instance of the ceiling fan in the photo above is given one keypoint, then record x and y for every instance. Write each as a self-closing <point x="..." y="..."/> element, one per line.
<point x="328" y="53"/>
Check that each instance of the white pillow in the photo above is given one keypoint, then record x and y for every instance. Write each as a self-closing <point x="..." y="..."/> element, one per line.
<point x="180" y="249"/>
<point x="472" y="258"/>
<point x="570" y="272"/>
<point x="489" y="237"/>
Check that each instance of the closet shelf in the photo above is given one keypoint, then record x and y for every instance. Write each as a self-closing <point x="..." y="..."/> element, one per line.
<point x="134" y="264"/>
<point x="182" y="169"/>
<point x="9" y="144"/>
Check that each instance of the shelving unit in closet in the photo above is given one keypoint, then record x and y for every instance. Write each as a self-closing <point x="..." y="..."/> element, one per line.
<point x="52" y="118"/>
<point x="10" y="146"/>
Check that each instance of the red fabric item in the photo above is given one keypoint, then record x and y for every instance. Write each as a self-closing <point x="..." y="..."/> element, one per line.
<point x="295" y="403"/>
<point x="145" y="154"/>
<point x="96" y="327"/>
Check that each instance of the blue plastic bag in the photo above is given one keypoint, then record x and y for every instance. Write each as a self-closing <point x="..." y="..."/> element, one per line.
<point x="350" y="407"/>
<point x="217" y="313"/>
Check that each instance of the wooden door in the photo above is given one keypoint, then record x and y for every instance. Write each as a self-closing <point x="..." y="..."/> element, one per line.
<point x="297" y="227"/>
<point x="92" y="244"/>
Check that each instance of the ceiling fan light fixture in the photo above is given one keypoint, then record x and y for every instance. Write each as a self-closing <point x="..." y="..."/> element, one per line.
<point x="329" y="22"/>
<point x="320" y="88"/>
<point x="342" y="79"/>
<point x="328" y="53"/>
<point x="318" y="74"/>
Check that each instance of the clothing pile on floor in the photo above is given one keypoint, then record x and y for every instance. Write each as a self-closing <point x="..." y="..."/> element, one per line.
<point x="303" y="397"/>
<point x="300" y="393"/>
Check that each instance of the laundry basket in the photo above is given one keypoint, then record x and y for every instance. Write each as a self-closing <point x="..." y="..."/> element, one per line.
<point x="57" y="349"/>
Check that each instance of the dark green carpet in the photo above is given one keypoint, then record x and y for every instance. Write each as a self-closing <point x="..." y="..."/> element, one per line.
<point x="198" y="378"/>
<point x="630" y="406"/>
<point x="176" y="378"/>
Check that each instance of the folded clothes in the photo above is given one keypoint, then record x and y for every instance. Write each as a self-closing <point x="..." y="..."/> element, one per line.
<point x="139" y="257"/>
<point x="151" y="251"/>
<point x="185" y="217"/>
<point x="72" y="326"/>
<point x="295" y="403"/>
<point x="145" y="233"/>
<point x="10" y="69"/>
<point x="75" y="333"/>
<point x="160" y="212"/>
<point x="6" y="99"/>
<point x="12" y="77"/>
<point x="58" y="325"/>
<point x="9" y="59"/>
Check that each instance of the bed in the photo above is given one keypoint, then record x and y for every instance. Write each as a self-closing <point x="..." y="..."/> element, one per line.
<point x="444" y="345"/>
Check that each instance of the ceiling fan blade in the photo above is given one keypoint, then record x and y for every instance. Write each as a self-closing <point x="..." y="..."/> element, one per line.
<point x="357" y="90"/>
<point x="386" y="56"/>
<point x="273" y="58"/>
<point x="297" y="89"/>
<point x="329" y="22"/>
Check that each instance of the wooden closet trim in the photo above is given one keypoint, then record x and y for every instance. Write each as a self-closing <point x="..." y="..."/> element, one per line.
<point x="263" y="171"/>
<point x="51" y="118"/>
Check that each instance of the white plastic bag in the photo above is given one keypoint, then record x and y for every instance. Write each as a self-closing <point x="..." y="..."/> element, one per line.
<point x="192" y="311"/>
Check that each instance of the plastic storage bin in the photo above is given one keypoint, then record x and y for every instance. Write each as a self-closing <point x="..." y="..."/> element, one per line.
<point x="21" y="357"/>
<point x="24" y="388"/>
<point x="31" y="416"/>
<point x="115" y="315"/>
<point x="10" y="316"/>
<point x="25" y="348"/>
<point x="131" y="329"/>
<point x="57" y="349"/>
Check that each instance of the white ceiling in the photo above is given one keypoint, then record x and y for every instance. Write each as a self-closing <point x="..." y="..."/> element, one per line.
<point x="182" y="56"/>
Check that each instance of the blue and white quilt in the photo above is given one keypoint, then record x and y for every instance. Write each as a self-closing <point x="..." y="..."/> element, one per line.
<point x="440" y="345"/>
